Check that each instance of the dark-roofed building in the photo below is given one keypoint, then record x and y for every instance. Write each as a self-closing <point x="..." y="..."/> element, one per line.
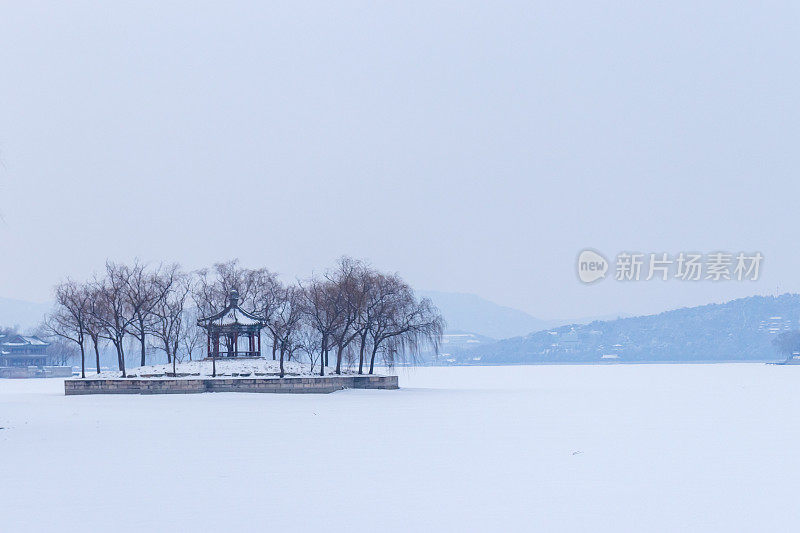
<point x="22" y="351"/>
<point x="231" y="325"/>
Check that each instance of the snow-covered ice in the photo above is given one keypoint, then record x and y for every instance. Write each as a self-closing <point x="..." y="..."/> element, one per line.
<point x="523" y="448"/>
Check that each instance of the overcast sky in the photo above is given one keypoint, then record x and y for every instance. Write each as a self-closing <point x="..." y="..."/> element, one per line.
<point x="471" y="146"/>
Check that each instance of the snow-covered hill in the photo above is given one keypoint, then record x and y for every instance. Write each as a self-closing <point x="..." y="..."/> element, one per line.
<point x="741" y="329"/>
<point x="473" y="314"/>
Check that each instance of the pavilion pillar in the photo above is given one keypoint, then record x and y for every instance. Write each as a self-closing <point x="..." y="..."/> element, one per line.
<point x="259" y="343"/>
<point x="235" y="344"/>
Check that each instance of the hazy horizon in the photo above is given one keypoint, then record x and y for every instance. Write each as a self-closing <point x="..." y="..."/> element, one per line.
<point x="473" y="148"/>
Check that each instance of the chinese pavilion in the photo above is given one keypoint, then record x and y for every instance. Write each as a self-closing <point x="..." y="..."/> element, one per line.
<point x="22" y="351"/>
<point x="231" y="325"/>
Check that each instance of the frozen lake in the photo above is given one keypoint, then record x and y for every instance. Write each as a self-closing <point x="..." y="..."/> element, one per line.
<point x="551" y="448"/>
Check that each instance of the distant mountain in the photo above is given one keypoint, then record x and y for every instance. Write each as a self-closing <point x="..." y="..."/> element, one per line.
<point x="471" y="313"/>
<point x="24" y="315"/>
<point x="737" y="330"/>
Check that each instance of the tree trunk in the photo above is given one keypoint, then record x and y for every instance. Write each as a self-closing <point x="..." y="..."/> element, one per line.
<point x="121" y="357"/>
<point x="322" y="355"/>
<point x="274" y="346"/>
<point x="96" y="355"/>
<point x="144" y="351"/>
<point x="83" y="361"/>
<point x="372" y="359"/>
<point x="361" y="354"/>
<point x="283" y="351"/>
<point x="339" y="351"/>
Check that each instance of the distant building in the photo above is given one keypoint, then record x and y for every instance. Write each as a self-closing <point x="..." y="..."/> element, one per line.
<point x="776" y="324"/>
<point x="459" y="340"/>
<point x="453" y="345"/>
<point x="22" y="351"/>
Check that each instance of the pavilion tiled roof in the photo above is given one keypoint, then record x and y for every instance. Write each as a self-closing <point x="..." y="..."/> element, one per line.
<point x="232" y="315"/>
<point x="22" y="340"/>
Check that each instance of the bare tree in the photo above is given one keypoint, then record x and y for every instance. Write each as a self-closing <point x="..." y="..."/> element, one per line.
<point x="113" y="311"/>
<point x="404" y="324"/>
<point x="348" y="279"/>
<point x="323" y="310"/>
<point x="168" y="323"/>
<point x="94" y="327"/>
<point x="193" y="336"/>
<point x="144" y="290"/>
<point x="309" y="342"/>
<point x="61" y="352"/>
<point x="213" y="286"/>
<point x="266" y="296"/>
<point x="286" y="319"/>
<point x="71" y="317"/>
<point x="378" y="294"/>
<point x="263" y="292"/>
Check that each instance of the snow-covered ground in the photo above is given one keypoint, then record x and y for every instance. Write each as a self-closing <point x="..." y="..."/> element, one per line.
<point x="537" y="448"/>
<point x="225" y="368"/>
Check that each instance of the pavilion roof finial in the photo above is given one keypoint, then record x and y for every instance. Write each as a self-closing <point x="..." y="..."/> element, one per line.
<point x="233" y="297"/>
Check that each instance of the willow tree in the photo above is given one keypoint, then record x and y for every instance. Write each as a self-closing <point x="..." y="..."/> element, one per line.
<point x="349" y="280"/>
<point x="402" y="324"/>
<point x="169" y="321"/>
<point x="70" y="320"/>
<point x="113" y="312"/>
<point x="285" y="322"/>
<point x="323" y="310"/>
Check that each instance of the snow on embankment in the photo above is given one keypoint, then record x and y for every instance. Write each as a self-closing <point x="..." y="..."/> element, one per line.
<point x="225" y="368"/>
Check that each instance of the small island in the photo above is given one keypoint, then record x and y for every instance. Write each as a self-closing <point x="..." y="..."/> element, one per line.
<point x="323" y="334"/>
